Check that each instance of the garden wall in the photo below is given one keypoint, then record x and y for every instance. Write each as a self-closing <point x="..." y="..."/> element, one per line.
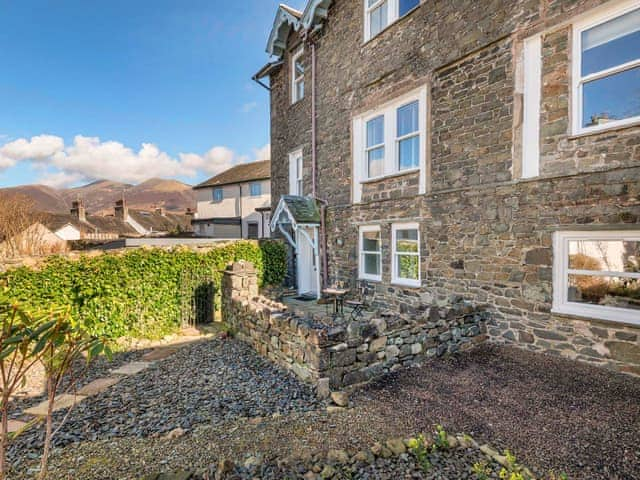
<point x="337" y="355"/>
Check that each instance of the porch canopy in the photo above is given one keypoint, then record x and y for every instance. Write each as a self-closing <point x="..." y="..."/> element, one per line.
<point x="295" y="214"/>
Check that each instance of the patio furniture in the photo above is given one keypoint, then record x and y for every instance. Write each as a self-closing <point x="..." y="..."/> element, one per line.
<point x="359" y="304"/>
<point x="337" y="296"/>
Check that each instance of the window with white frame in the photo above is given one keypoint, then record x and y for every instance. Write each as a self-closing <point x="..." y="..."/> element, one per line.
<point x="606" y="70"/>
<point x="296" y="173"/>
<point x="391" y="140"/>
<point x="597" y="275"/>
<point x="218" y="194"/>
<point x="370" y="253"/>
<point x="297" y="76"/>
<point x="255" y="189"/>
<point x="406" y="254"/>
<point x="381" y="13"/>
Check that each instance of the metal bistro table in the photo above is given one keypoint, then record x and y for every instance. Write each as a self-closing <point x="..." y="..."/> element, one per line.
<point x="337" y="295"/>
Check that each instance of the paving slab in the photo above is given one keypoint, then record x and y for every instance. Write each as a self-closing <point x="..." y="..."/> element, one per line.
<point x="63" y="401"/>
<point x="16" y="425"/>
<point x="131" y="368"/>
<point x="98" y="386"/>
<point x="158" y="354"/>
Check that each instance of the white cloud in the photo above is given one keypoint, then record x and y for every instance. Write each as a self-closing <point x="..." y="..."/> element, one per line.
<point x="249" y="107"/>
<point x="263" y="153"/>
<point x="89" y="158"/>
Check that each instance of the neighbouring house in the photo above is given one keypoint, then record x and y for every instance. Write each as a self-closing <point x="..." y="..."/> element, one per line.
<point x="235" y="203"/>
<point x="489" y="150"/>
<point x="37" y="239"/>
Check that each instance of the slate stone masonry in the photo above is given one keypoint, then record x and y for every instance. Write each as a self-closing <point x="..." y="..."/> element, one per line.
<point x="486" y="233"/>
<point x="320" y="350"/>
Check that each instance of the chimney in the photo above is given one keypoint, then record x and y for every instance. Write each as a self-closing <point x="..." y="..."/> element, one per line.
<point x="121" y="210"/>
<point x="161" y="211"/>
<point x="189" y="212"/>
<point x="78" y="211"/>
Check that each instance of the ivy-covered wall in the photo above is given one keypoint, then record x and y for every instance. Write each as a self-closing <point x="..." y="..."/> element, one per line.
<point x="135" y="293"/>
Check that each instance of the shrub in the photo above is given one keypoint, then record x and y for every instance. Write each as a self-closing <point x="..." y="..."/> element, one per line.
<point x="136" y="293"/>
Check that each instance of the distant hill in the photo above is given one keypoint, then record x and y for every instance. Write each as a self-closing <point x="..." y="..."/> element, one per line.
<point x="99" y="196"/>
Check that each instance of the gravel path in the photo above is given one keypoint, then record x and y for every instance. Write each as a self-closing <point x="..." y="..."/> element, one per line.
<point x="100" y="367"/>
<point x="554" y="414"/>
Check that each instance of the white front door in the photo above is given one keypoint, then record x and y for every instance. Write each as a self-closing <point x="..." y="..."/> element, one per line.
<point x="307" y="261"/>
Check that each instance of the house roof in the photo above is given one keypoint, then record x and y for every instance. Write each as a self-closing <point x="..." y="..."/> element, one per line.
<point x="55" y="221"/>
<point x="288" y="18"/>
<point x="111" y="224"/>
<point x="156" y="222"/>
<point x="245" y="172"/>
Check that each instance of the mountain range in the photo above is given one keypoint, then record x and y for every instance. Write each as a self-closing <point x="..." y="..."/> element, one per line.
<point x="100" y="196"/>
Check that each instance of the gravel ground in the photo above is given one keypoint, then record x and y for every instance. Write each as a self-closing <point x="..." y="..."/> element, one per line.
<point x="554" y="414"/>
<point x="204" y="383"/>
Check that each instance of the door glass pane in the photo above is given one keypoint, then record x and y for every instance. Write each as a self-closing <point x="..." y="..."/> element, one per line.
<point x="299" y="68"/>
<point x="371" y="264"/>
<point x="612" y="43"/>
<point x="607" y="291"/>
<point x="611" y="98"/>
<point x="407" y="267"/>
<point x="407" y="241"/>
<point x="408" y="119"/>
<point x="300" y="90"/>
<point x="371" y="241"/>
<point x="406" y="5"/>
<point x="375" y="161"/>
<point x="409" y="153"/>
<point x="378" y="19"/>
<point x="605" y="255"/>
<point x="375" y="131"/>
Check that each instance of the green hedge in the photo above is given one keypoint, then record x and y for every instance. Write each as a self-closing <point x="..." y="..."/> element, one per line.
<point x="136" y="293"/>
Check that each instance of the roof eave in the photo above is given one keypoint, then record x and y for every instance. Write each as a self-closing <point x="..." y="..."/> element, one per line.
<point x="282" y="25"/>
<point x="267" y="70"/>
<point x="315" y="13"/>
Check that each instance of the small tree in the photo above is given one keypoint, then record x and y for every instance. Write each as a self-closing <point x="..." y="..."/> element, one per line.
<point x="21" y="232"/>
<point x="64" y="342"/>
<point x="20" y="336"/>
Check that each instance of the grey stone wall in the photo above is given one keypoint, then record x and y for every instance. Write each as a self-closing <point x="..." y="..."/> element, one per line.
<point x="318" y="349"/>
<point x="486" y="234"/>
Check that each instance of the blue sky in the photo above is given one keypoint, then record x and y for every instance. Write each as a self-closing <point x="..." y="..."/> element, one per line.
<point x="85" y="84"/>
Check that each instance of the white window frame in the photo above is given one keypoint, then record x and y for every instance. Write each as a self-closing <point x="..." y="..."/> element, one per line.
<point x="586" y="23"/>
<point x="296" y="173"/>
<point x="361" y="253"/>
<point x="255" y="184"/>
<point x="405" y="282"/>
<point x="216" y="190"/>
<point x="295" y="81"/>
<point x="561" y="272"/>
<point x="391" y="153"/>
<point x="393" y="15"/>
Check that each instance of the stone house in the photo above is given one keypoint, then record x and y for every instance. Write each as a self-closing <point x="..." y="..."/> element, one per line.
<point x="235" y="203"/>
<point x="489" y="150"/>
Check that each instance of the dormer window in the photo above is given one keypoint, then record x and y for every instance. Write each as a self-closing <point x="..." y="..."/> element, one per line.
<point x="297" y="76"/>
<point x="381" y="13"/>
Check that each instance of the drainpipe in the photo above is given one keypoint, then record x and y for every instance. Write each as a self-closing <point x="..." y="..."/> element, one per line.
<point x="314" y="160"/>
<point x="313" y="118"/>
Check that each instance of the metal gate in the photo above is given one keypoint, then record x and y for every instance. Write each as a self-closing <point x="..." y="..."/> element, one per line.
<point x="197" y="299"/>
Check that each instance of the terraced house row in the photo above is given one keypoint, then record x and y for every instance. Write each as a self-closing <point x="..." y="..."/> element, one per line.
<point x="429" y="148"/>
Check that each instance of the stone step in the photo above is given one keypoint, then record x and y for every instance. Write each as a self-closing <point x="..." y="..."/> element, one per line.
<point x="61" y="402"/>
<point x="131" y="368"/>
<point x="158" y="354"/>
<point x="97" y="386"/>
<point x="16" y="426"/>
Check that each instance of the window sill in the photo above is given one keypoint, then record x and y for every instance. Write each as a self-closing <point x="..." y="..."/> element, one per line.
<point x="598" y="313"/>
<point x="634" y="123"/>
<point x="406" y="284"/>
<point x="370" y="279"/>
<point x="390" y="175"/>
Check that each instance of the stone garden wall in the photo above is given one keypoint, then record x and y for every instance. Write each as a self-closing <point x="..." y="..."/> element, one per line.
<point x="336" y="355"/>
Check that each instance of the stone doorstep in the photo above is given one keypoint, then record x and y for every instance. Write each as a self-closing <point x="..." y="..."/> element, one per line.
<point x="63" y="401"/>
<point x="16" y="425"/>
<point x="158" y="354"/>
<point x="97" y="386"/>
<point x="131" y="368"/>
